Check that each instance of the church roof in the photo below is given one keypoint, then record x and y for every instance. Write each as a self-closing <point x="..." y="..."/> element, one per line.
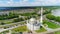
<point x="36" y="24"/>
<point x="32" y="19"/>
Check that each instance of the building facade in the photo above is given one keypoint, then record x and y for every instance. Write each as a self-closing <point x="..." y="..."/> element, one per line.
<point x="33" y="24"/>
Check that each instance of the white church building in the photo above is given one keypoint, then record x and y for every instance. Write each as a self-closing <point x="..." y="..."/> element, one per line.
<point x="33" y="24"/>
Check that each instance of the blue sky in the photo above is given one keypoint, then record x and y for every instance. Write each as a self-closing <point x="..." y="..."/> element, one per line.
<point x="12" y="3"/>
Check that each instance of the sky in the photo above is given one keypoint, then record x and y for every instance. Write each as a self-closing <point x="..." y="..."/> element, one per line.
<point x="19" y="3"/>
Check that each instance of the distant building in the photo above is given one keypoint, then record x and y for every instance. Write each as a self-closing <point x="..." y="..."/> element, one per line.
<point x="18" y="11"/>
<point x="4" y="12"/>
<point x="33" y="24"/>
<point x="56" y="12"/>
<point x="23" y="11"/>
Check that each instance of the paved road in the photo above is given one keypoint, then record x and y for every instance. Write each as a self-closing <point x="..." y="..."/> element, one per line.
<point x="54" y="30"/>
<point x="51" y="20"/>
<point x="1" y="30"/>
<point x="46" y="32"/>
<point x="13" y="23"/>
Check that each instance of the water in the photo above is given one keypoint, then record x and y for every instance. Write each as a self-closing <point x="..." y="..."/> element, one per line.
<point x="56" y="12"/>
<point x="14" y="8"/>
<point x="9" y="8"/>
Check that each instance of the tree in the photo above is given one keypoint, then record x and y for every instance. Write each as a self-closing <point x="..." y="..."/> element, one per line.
<point x="18" y="19"/>
<point x="2" y="23"/>
<point x="51" y="17"/>
<point x="37" y="9"/>
<point x="57" y="19"/>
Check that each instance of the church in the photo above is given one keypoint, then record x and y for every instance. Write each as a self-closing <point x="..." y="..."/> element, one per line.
<point x="33" y="24"/>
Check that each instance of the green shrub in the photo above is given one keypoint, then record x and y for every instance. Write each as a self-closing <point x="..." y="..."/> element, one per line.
<point x="18" y="19"/>
<point x="51" y="17"/>
<point x="57" y="19"/>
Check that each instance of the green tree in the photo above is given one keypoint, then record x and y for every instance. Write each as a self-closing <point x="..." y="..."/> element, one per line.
<point x="57" y="19"/>
<point x="51" y="17"/>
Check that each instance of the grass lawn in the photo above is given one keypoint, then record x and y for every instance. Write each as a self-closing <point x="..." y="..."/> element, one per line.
<point x="58" y="32"/>
<point x="6" y="21"/>
<point x="51" y="25"/>
<point x="20" y="29"/>
<point x="40" y="30"/>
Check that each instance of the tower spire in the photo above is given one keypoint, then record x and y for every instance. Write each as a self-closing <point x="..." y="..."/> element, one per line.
<point x="41" y="18"/>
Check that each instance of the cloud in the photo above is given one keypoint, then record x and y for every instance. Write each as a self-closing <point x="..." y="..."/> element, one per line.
<point x="30" y="3"/>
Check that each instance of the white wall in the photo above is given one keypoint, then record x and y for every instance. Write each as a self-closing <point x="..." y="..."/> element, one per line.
<point x="32" y="27"/>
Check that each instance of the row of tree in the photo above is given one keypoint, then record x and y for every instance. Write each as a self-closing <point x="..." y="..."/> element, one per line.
<point x="10" y="16"/>
<point x="28" y="14"/>
<point x="52" y="17"/>
<point x="13" y="15"/>
<point x="18" y="19"/>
